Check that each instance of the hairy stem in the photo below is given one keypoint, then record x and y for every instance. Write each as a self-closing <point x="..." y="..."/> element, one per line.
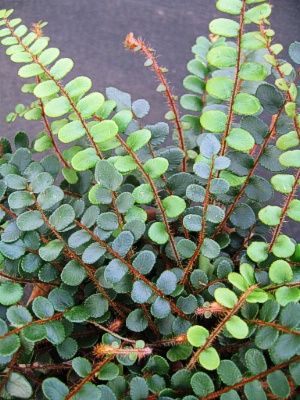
<point x="274" y="325"/>
<point x="201" y="235"/>
<point x="89" y="377"/>
<point x="237" y="82"/>
<point x="133" y="270"/>
<point x="241" y="192"/>
<point x="284" y="211"/>
<point x="71" y="254"/>
<point x="156" y="196"/>
<point x="133" y="43"/>
<point x="252" y="378"/>
<point x="218" y="329"/>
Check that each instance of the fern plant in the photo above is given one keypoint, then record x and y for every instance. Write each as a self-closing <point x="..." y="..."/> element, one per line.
<point x="132" y="269"/>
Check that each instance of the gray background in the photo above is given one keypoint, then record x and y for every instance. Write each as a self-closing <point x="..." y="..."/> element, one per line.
<point x="92" y="31"/>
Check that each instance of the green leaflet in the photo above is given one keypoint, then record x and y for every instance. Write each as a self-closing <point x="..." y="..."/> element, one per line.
<point x="224" y="27"/>
<point x="220" y="87"/>
<point x="222" y="56"/>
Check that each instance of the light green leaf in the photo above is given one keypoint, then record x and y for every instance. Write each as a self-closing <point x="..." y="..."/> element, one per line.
<point x="241" y="140"/>
<point x="280" y="271"/>
<point x="71" y="131"/>
<point x="84" y="159"/>
<point x="156" y="167"/>
<point x="237" y="327"/>
<point x="290" y="158"/>
<point x="270" y="215"/>
<point x="61" y="68"/>
<point x="258" y="14"/>
<point x="30" y="221"/>
<point x="225" y="297"/>
<point x="222" y="56"/>
<point x="258" y="251"/>
<point x="138" y="139"/>
<point x="197" y="335"/>
<point x="246" y="104"/>
<point x="213" y="121"/>
<point x="220" y="87"/>
<point x="253" y="71"/>
<point x="224" y="27"/>
<point x="157" y="232"/>
<point x="78" y="86"/>
<point x="283" y="247"/>
<point x="209" y="359"/>
<point x="45" y="89"/>
<point x="229" y="6"/>
<point x="174" y="206"/>
<point x="143" y="194"/>
<point x="293" y="211"/>
<point x="88" y="105"/>
<point x="283" y="183"/>
<point x="57" y="107"/>
<point x="287" y="141"/>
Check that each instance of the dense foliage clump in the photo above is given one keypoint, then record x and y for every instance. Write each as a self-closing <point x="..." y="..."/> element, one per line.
<point x="136" y="269"/>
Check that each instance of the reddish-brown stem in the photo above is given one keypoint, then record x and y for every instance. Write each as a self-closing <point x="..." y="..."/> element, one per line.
<point x="35" y="59"/>
<point x="8" y="211"/>
<point x="237" y="82"/>
<point x="50" y="133"/>
<point x="89" y="377"/>
<point x="24" y="280"/>
<point x="71" y="254"/>
<point x="103" y="349"/>
<point x="243" y="382"/>
<point x="170" y="342"/>
<point x="274" y="325"/>
<point x="103" y="328"/>
<point x="249" y="176"/>
<point x="54" y="317"/>
<point x="280" y="73"/>
<point x="201" y="235"/>
<point x="133" y="271"/>
<point x="149" y="318"/>
<point x="156" y="196"/>
<point x="133" y="43"/>
<point x="9" y="369"/>
<point x="218" y="329"/>
<point x="284" y="211"/>
<point x="286" y="284"/>
<point x="36" y="365"/>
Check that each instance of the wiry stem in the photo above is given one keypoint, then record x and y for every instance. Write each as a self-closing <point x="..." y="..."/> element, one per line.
<point x="133" y="43"/>
<point x="102" y="349"/>
<point x="201" y="235"/>
<point x="89" y="377"/>
<point x="71" y="254"/>
<point x="284" y="211"/>
<point x="237" y="82"/>
<point x="9" y="368"/>
<point x="156" y="196"/>
<point x="243" y="382"/>
<point x="281" y="74"/>
<point x="218" y="329"/>
<point x="241" y="192"/>
<point x="133" y="270"/>
<point x="17" y="330"/>
<point x="103" y="328"/>
<point x="274" y="325"/>
<point x="59" y="85"/>
<point x="50" y="133"/>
